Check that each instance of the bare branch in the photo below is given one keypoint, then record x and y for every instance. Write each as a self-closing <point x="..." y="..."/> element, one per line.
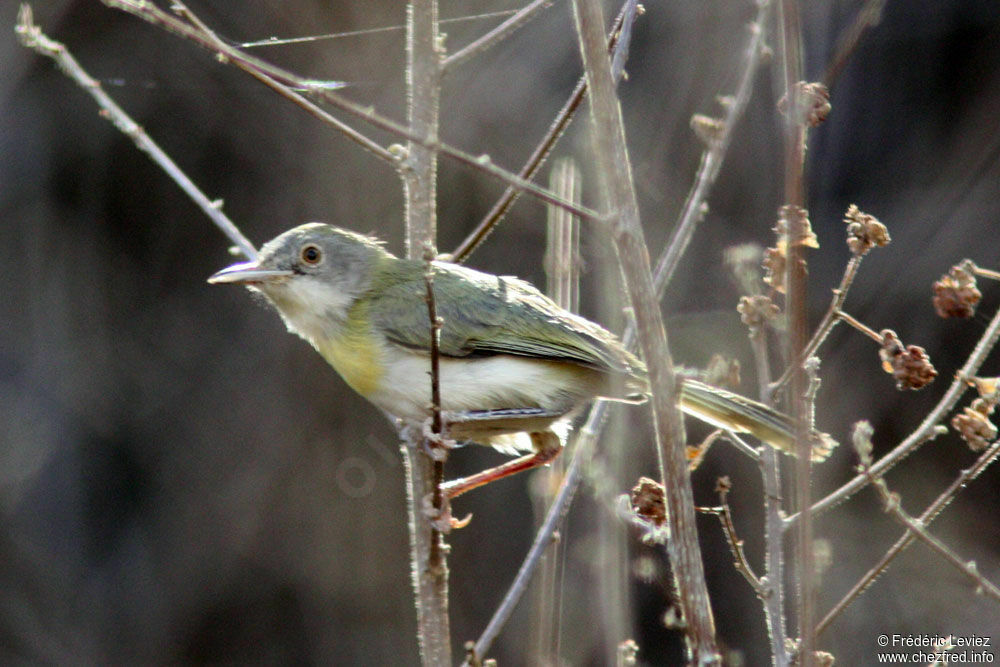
<point x="614" y="169"/>
<point x="33" y="37"/>
<point x="929" y="428"/>
<point x="868" y="17"/>
<point x="933" y="510"/>
<point x="498" y="34"/>
<point x="286" y="84"/>
<point x="725" y="515"/>
<point x="713" y="157"/>
<point x="542" y="151"/>
<point x="916" y="529"/>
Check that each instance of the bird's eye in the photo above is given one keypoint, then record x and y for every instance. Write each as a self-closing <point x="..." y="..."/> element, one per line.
<point x="311" y="254"/>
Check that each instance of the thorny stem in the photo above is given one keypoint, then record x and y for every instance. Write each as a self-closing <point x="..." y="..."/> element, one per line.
<point x="33" y="37"/>
<point x="725" y="515"/>
<point x="436" y="560"/>
<point x="906" y="539"/>
<point x="545" y="146"/>
<point x="285" y="83"/>
<point x="826" y="324"/>
<point x="916" y="529"/>
<point x="774" y="554"/>
<point x="611" y="155"/>
<point x="419" y="172"/>
<point x="499" y="33"/>
<point x="790" y="34"/>
<point x="927" y="430"/>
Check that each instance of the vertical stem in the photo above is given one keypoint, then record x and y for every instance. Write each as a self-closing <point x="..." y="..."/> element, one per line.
<point x="563" y="286"/>
<point x="611" y="156"/>
<point x="774" y="555"/>
<point x="795" y="135"/>
<point x="419" y="169"/>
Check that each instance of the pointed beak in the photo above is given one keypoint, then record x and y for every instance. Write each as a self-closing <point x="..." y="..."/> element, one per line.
<point x="248" y="272"/>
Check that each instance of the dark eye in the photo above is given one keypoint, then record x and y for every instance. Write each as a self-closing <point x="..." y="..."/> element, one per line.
<point x="311" y="254"/>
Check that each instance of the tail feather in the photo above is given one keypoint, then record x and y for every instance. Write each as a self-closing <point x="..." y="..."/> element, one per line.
<point x="727" y="410"/>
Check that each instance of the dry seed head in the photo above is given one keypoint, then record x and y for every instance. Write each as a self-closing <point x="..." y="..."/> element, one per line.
<point x="909" y="365"/>
<point x="956" y="294"/>
<point x="756" y="312"/>
<point x="648" y="501"/>
<point x="814" y="100"/>
<point x="864" y="231"/>
<point x="974" y="425"/>
<point x="775" y="262"/>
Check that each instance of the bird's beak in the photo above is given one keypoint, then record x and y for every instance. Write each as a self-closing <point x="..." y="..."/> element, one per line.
<point x="248" y="272"/>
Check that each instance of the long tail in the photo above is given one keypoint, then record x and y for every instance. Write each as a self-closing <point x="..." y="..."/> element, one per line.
<point x="724" y="409"/>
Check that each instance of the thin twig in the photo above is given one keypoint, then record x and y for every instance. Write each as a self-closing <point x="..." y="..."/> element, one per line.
<point x="916" y="529"/>
<point x="585" y="442"/>
<point x="497" y="34"/>
<point x="906" y="539"/>
<point x="33" y="37"/>
<point x="929" y="428"/>
<point x="859" y="325"/>
<point x="542" y="150"/>
<point x="868" y="17"/>
<point x="830" y="318"/>
<point x="774" y="554"/>
<point x="286" y="83"/>
<point x="725" y="515"/>
<point x="713" y="157"/>
<point x="614" y="170"/>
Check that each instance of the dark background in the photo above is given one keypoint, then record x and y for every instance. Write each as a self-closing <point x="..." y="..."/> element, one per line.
<point x="181" y="480"/>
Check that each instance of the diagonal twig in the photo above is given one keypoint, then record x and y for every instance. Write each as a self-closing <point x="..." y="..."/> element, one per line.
<point x="918" y="530"/>
<point x="933" y="510"/>
<point x="497" y="34"/>
<point x="545" y="146"/>
<point x="928" y="429"/>
<point x="32" y="37"/>
<point x="287" y="84"/>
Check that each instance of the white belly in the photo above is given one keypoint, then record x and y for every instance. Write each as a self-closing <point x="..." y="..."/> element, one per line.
<point x="481" y="383"/>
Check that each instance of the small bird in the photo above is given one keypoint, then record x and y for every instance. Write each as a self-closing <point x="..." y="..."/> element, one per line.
<point x="511" y="362"/>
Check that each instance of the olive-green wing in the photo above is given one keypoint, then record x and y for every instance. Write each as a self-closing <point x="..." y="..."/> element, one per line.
<point x="486" y="314"/>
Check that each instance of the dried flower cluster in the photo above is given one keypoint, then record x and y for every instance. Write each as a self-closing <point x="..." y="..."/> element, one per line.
<point x="814" y="100"/>
<point x="775" y="262"/>
<point x="974" y="424"/>
<point x="956" y="294"/>
<point x="909" y="365"/>
<point x="864" y="231"/>
<point x="756" y="312"/>
<point x="648" y="501"/>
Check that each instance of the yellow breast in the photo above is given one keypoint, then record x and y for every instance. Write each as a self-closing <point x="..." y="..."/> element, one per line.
<point x="356" y="359"/>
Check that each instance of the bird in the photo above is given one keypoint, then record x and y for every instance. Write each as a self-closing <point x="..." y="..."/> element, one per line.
<point x="514" y="367"/>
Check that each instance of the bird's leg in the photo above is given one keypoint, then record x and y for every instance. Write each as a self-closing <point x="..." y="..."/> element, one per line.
<point x="547" y="446"/>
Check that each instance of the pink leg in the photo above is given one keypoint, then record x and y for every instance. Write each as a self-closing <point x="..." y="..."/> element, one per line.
<point x="547" y="448"/>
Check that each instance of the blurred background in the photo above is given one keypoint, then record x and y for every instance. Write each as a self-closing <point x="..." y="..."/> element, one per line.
<point x="183" y="481"/>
